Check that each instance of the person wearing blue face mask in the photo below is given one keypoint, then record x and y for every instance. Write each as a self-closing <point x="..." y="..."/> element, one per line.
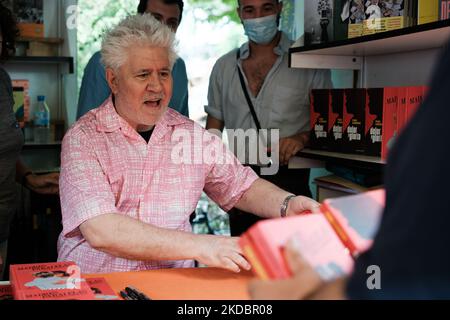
<point x="252" y="87"/>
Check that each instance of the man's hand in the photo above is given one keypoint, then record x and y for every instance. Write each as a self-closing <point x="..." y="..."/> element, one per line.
<point x="221" y="252"/>
<point x="300" y="204"/>
<point x="44" y="184"/>
<point x="290" y="146"/>
<point x="303" y="283"/>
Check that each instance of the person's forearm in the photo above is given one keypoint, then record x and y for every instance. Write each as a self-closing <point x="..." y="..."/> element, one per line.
<point x="21" y="169"/>
<point x="303" y="137"/>
<point x="213" y="123"/>
<point x="129" y="238"/>
<point x="263" y="199"/>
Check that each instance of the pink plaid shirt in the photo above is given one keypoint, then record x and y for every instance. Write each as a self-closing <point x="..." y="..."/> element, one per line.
<point x="107" y="167"/>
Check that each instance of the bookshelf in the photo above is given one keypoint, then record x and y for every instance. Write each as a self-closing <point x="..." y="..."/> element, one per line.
<point x="350" y="53"/>
<point x="402" y="57"/>
<point x="68" y="61"/>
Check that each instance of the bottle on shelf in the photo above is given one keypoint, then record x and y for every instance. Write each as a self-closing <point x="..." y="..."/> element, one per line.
<point x="42" y="121"/>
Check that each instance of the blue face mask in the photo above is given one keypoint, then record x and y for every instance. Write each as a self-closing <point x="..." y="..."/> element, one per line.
<point x="261" y="30"/>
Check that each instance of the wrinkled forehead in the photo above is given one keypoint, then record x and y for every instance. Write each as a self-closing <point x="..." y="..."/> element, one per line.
<point x="147" y="58"/>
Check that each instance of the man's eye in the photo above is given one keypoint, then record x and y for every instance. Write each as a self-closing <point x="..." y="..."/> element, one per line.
<point x="164" y="74"/>
<point x="142" y="75"/>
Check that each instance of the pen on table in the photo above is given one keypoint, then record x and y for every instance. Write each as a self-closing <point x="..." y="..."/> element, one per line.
<point x="125" y="296"/>
<point x="132" y="294"/>
<point x="140" y="295"/>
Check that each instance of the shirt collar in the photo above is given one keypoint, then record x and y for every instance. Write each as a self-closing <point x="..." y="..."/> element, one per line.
<point x="282" y="47"/>
<point x="108" y="120"/>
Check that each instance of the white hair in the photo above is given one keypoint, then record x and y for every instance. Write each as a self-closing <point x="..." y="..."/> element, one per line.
<point x="136" y="30"/>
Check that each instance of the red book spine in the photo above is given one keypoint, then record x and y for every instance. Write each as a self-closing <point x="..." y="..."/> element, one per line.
<point x="337" y="227"/>
<point x="390" y="110"/>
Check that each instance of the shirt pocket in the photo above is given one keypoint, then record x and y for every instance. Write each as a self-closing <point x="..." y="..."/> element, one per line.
<point x="290" y="107"/>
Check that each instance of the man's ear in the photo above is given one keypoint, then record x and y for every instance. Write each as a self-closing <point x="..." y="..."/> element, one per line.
<point x="280" y="7"/>
<point x="238" y="11"/>
<point x="111" y="78"/>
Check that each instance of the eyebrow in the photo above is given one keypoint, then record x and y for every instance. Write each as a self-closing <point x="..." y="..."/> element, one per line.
<point x="150" y="70"/>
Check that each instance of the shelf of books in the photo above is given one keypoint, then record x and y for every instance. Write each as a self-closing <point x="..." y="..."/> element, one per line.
<point x="348" y="53"/>
<point x="54" y="60"/>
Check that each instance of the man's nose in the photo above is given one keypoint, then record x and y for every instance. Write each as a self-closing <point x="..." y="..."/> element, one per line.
<point x="154" y="83"/>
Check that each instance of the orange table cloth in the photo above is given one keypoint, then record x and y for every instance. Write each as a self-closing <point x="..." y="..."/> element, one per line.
<point x="183" y="284"/>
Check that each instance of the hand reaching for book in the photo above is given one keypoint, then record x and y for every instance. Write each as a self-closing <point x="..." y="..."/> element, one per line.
<point x="221" y="252"/>
<point x="301" y="205"/>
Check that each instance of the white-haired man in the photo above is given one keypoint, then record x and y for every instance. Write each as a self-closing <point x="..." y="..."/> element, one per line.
<point x="125" y="201"/>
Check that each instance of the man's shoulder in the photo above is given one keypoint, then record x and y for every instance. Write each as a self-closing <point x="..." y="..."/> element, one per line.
<point x="229" y="57"/>
<point x="95" y="61"/>
<point x="225" y="62"/>
<point x="177" y="120"/>
<point x="85" y="127"/>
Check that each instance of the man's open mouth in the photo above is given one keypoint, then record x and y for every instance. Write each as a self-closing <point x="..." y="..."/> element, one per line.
<point x="153" y="103"/>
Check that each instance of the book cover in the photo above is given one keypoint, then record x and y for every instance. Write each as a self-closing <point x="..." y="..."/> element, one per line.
<point x="30" y="17"/>
<point x="320" y="106"/>
<point x="402" y="106"/>
<point x="340" y="19"/>
<point x="101" y="289"/>
<point x="336" y="119"/>
<point x="384" y="15"/>
<point x="322" y="248"/>
<point x="56" y="280"/>
<point x="444" y="9"/>
<point x="356" y="218"/>
<point x="21" y="100"/>
<point x="390" y="120"/>
<point x="260" y="269"/>
<point x="354" y="116"/>
<point x="356" y="18"/>
<point x="6" y="292"/>
<point x="328" y="240"/>
<point x="373" y="121"/>
<point x="428" y="11"/>
<point x="414" y="100"/>
<point x="318" y="21"/>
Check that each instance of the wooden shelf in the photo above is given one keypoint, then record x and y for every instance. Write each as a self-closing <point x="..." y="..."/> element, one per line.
<point x="343" y="158"/>
<point x="44" y="40"/>
<point x="54" y="60"/>
<point x="349" y="53"/>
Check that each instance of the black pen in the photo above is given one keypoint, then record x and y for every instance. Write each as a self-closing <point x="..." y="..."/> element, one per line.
<point x="133" y="294"/>
<point x="124" y="295"/>
<point x="141" y="295"/>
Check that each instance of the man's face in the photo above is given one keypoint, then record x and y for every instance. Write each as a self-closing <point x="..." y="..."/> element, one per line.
<point x="168" y="14"/>
<point x="142" y="86"/>
<point x="252" y="9"/>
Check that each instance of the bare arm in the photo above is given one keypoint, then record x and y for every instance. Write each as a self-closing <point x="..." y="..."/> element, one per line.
<point x="264" y="199"/>
<point x="213" y="123"/>
<point x="129" y="238"/>
<point x="44" y="184"/>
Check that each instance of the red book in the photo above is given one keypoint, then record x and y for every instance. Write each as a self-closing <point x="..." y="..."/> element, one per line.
<point x="6" y="292"/>
<point x="374" y="121"/>
<point x="328" y="240"/>
<point x="354" y="121"/>
<point x="414" y="101"/>
<point x="101" y="289"/>
<point x="320" y="107"/>
<point x="402" y="106"/>
<point x="49" y="281"/>
<point x="390" y="120"/>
